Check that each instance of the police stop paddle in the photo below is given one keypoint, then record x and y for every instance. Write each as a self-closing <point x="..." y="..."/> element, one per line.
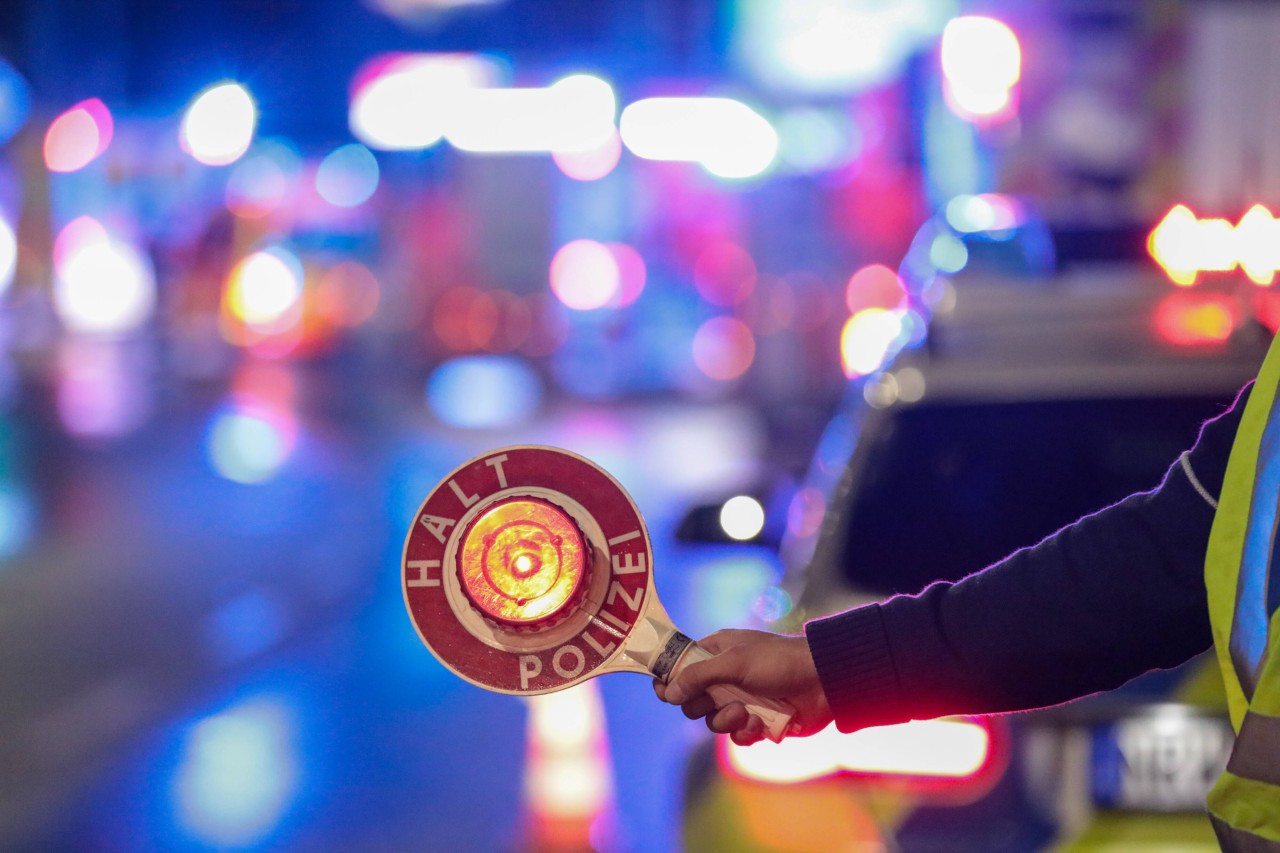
<point x="529" y="569"/>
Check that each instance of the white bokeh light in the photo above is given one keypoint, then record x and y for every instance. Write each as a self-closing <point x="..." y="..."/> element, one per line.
<point x="219" y="125"/>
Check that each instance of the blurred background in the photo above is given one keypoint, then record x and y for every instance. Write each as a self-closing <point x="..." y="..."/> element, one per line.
<point x="269" y="269"/>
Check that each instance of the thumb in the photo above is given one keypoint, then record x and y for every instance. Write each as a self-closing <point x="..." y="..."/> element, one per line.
<point x="694" y="679"/>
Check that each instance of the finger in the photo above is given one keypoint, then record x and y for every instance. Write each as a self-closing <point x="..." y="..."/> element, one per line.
<point x="660" y="688"/>
<point x="699" y="707"/>
<point x="722" y="640"/>
<point x="728" y="719"/>
<point x="723" y="668"/>
<point x="749" y="733"/>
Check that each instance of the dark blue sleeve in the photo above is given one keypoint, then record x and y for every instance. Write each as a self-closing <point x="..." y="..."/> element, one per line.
<point x="1103" y="600"/>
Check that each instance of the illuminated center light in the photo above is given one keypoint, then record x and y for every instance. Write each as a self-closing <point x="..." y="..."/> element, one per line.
<point x="8" y="254"/>
<point x="405" y="101"/>
<point x="77" y="137"/>
<point x="219" y="125"/>
<point x="725" y="136"/>
<point x="868" y="339"/>
<point x="573" y="114"/>
<point x="940" y="749"/>
<point x="265" y="288"/>
<point x="1186" y="246"/>
<point x="521" y="561"/>
<point x="103" y="285"/>
<point x="347" y="176"/>
<point x="981" y="66"/>
<point x="742" y="518"/>
<point x="585" y="275"/>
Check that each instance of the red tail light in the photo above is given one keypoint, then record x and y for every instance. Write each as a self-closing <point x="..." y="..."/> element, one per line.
<point x="1190" y="319"/>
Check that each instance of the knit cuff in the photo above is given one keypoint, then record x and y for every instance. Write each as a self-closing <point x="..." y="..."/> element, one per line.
<point x="855" y="666"/>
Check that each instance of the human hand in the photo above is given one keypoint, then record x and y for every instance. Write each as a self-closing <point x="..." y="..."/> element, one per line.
<point x="770" y="666"/>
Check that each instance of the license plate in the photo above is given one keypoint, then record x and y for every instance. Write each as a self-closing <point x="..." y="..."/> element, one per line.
<point x="1163" y="760"/>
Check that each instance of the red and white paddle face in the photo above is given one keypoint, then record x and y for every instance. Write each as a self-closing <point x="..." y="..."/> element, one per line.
<point x="526" y="569"/>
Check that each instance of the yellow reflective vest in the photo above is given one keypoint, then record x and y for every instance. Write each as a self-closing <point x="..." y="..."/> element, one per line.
<point x="1242" y="578"/>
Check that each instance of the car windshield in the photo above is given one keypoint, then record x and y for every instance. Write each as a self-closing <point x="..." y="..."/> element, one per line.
<point x="946" y="489"/>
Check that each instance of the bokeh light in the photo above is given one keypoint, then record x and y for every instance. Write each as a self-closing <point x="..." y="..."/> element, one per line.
<point x="948" y="253"/>
<point x="100" y="392"/>
<point x="727" y="137"/>
<point x="981" y="66"/>
<point x="805" y="512"/>
<point x="573" y="114"/>
<point x="814" y="140"/>
<point x="465" y="318"/>
<point x="250" y="439"/>
<point x="1185" y="245"/>
<point x="585" y="275"/>
<point x="1257" y="239"/>
<point x="484" y="391"/>
<point x="103" y="285"/>
<point x="15" y="101"/>
<point x="723" y="348"/>
<point x="238" y="773"/>
<point x="868" y="339"/>
<point x="631" y="274"/>
<point x="78" y="137"/>
<point x="591" y="164"/>
<point x="1193" y="319"/>
<point x="742" y="517"/>
<point x="874" y="286"/>
<point x="262" y="180"/>
<point x="403" y="102"/>
<point x="832" y="48"/>
<point x="264" y="290"/>
<point x="219" y="125"/>
<point x="724" y="273"/>
<point x="8" y="254"/>
<point x="17" y="518"/>
<point x="347" y="176"/>
<point x="348" y="294"/>
<point x="984" y="213"/>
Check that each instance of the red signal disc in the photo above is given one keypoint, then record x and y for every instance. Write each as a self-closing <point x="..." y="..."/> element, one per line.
<point x="536" y="624"/>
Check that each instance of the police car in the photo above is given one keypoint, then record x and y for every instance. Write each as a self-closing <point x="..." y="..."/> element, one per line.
<point x="1032" y="403"/>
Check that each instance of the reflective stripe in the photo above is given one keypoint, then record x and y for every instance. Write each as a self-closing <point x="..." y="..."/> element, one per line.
<point x="1233" y="840"/>
<point x="1256" y="749"/>
<point x="1249" y="623"/>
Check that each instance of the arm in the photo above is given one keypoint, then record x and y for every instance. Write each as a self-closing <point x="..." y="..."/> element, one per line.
<point x="1105" y="599"/>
